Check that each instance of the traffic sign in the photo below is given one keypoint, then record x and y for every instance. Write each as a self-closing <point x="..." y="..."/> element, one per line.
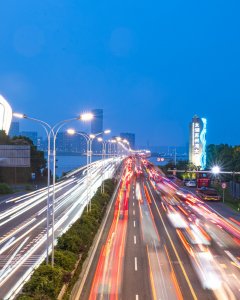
<point x="224" y="185"/>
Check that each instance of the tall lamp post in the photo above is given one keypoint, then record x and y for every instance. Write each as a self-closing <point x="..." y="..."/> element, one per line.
<point x="47" y="129"/>
<point x="87" y="139"/>
<point x="55" y="129"/>
<point x="52" y="131"/>
<point x="104" y="146"/>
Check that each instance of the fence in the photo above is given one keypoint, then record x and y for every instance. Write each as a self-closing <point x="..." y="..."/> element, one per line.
<point x="235" y="189"/>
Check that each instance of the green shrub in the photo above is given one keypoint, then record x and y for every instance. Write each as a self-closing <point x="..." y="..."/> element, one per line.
<point x="65" y="259"/>
<point x="45" y="283"/>
<point x="5" y="189"/>
<point x="25" y="297"/>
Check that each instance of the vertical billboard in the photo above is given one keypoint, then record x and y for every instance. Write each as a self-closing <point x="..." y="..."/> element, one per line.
<point x="197" y="143"/>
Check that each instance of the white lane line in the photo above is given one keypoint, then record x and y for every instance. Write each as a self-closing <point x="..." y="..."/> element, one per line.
<point x="137" y="297"/>
<point x="134" y="224"/>
<point x="135" y="239"/>
<point x="134" y="212"/>
<point x="133" y="203"/>
<point x="135" y="262"/>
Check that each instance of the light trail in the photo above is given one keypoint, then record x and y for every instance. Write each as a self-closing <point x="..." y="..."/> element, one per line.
<point x="71" y="199"/>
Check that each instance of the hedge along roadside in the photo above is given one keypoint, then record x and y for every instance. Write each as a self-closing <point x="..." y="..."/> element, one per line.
<point x="71" y="251"/>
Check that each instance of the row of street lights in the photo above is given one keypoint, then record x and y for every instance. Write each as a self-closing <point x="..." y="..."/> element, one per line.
<point x="51" y="132"/>
<point x="89" y="139"/>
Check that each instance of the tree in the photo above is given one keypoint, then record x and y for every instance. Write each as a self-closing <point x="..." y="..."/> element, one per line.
<point x="4" y="138"/>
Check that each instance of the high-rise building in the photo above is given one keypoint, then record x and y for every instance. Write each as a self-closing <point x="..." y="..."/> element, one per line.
<point x="197" y="141"/>
<point x="97" y="127"/>
<point x="97" y="121"/>
<point x="70" y="143"/>
<point x="32" y="135"/>
<point x="14" y="129"/>
<point x="130" y="137"/>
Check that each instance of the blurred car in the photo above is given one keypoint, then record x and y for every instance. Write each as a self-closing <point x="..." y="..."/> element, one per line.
<point x="182" y="193"/>
<point x="191" y="183"/>
<point x="207" y="272"/>
<point x="208" y="194"/>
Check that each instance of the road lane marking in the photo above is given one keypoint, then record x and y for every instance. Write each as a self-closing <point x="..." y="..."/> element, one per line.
<point x="133" y="203"/>
<point x="135" y="239"/>
<point x="134" y="212"/>
<point x="137" y="297"/>
<point x="135" y="262"/>
<point x="134" y="224"/>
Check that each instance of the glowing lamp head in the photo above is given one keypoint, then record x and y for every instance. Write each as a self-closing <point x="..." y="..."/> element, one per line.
<point x="100" y="139"/>
<point x="107" y="131"/>
<point x="92" y="136"/>
<point x="216" y="170"/>
<point x="118" y="139"/>
<point x="19" y="116"/>
<point x="86" y="117"/>
<point x="71" y="131"/>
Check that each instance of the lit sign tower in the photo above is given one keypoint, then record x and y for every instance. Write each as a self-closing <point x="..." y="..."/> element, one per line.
<point x="5" y="115"/>
<point x="197" y="142"/>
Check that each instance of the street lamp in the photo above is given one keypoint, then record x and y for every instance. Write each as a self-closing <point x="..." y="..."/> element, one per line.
<point x="216" y="170"/>
<point x="104" y="145"/>
<point x="47" y="129"/>
<point x="114" y="143"/>
<point x="88" y="139"/>
<point x="92" y="137"/>
<point x="53" y="131"/>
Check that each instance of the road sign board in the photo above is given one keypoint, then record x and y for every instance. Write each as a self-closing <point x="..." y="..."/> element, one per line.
<point x="224" y="185"/>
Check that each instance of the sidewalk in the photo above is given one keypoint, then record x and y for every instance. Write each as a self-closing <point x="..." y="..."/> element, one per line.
<point x="224" y="210"/>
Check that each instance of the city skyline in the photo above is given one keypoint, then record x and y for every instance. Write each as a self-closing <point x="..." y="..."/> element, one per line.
<point x="61" y="60"/>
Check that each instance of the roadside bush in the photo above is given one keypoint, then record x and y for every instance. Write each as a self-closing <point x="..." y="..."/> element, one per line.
<point x="65" y="259"/>
<point x="5" y="189"/>
<point x="24" y="297"/>
<point x="45" y="283"/>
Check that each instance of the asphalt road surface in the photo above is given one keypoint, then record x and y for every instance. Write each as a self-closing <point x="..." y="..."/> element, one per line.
<point x="160" y="244"/>
<point x="23" y="230"/>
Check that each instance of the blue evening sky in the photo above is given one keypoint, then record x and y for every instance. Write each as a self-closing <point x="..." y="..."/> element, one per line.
<point x="151" y="65"/>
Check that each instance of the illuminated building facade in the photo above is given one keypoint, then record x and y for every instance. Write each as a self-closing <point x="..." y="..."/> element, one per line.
<point x="5" y="115"/>
<point x="197" y="142"/>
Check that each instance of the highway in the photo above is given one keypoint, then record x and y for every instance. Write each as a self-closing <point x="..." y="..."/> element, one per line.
<point x="23" y="231"/>
<point x="162" y="244"/>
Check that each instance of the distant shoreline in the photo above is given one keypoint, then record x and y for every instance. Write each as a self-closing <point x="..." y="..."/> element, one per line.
<point x="73" y="154"/>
